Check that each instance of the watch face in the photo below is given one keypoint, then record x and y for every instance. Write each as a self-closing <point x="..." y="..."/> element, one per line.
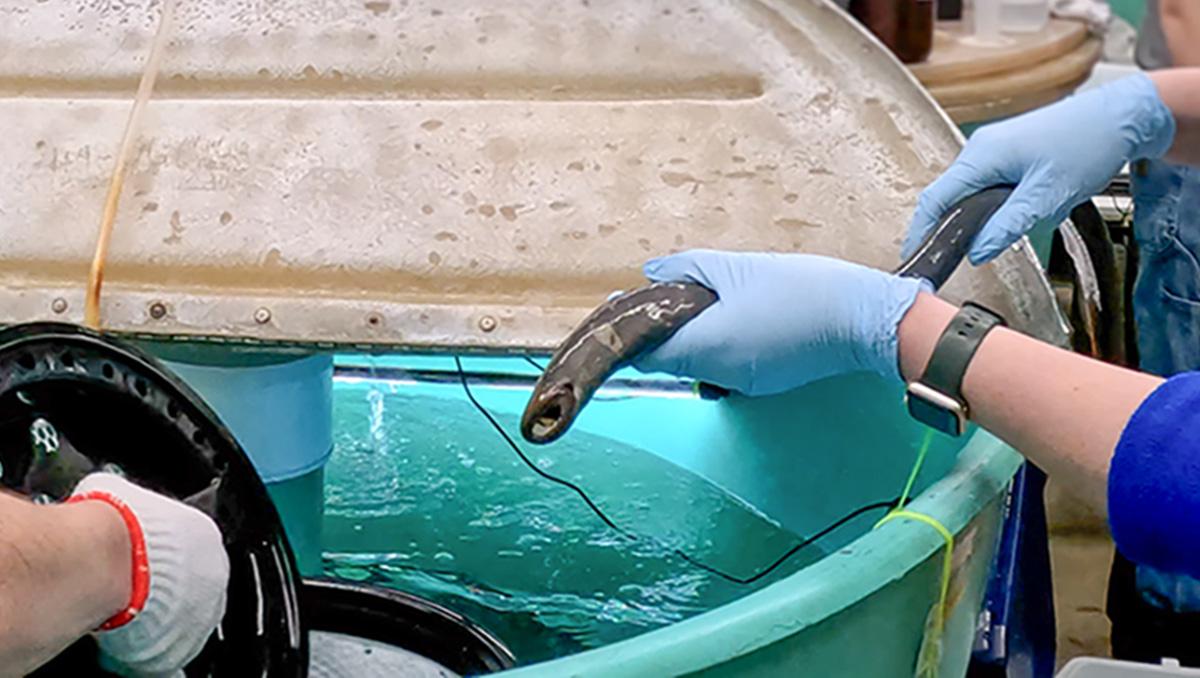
<point x="948" y="420"/>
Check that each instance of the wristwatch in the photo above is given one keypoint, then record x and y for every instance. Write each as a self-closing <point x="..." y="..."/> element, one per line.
<point x="936" y="398"/>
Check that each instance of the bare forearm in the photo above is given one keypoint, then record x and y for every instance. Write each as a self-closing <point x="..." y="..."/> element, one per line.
<point x="1179" y="89"/>
<point x="1063" y="411"/>
<point x="1180" y="20"/>
<point x="63" y="571"/>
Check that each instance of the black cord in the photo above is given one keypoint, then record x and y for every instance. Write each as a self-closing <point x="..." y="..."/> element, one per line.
<point x="535" y="363"/>
<point x="633" y="536"/>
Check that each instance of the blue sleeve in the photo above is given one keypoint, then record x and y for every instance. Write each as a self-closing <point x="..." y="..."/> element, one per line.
<point x="1154" y="480"/>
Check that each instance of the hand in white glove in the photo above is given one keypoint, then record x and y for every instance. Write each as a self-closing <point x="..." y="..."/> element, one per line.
<point x="180" y="574"/>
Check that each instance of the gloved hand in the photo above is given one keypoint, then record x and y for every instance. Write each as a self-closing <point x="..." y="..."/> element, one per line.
<point x="183" y="575"/>
<point x="781" y="320"/>
<point x="1058" y="157"/>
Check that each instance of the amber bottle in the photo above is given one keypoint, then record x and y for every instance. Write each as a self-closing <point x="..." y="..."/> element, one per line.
<point x="905" y="26"/>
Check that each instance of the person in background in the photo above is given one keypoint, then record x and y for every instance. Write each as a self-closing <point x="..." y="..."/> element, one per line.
<point x="146" y="574"/>
<point x="1155" y="614"/>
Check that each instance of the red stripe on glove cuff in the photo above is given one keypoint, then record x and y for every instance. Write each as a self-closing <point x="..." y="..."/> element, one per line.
<point x="140" y="563"/>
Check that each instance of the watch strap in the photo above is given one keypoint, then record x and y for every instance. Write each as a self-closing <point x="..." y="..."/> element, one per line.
<point x="955" y="348"/>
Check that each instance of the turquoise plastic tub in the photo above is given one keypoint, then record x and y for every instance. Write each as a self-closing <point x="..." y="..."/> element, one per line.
<point x="802" y="459"/>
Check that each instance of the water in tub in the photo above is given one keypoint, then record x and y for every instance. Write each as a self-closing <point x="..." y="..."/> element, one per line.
<point x="423" y="496"/>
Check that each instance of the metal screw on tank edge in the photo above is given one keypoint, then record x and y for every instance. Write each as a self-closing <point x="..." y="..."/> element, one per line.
<point x="487" y="323"/>
<point x="262" y="316"/>
<point x="158" y="310"/>
<point x="59" y="305"/>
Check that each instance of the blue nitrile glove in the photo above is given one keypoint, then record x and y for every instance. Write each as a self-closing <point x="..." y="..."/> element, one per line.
<point x="781" y="320"/>
<point x="1058" y="156"/>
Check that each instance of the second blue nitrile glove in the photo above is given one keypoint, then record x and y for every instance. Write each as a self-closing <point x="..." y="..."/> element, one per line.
<point x="1057" y="157"/>
<point x="782" y="320"/>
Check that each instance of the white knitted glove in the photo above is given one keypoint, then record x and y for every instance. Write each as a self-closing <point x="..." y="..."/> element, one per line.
<point x="179" y="584"/>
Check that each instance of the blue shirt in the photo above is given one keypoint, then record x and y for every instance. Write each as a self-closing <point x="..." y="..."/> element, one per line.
<point x="1154" y="480"/>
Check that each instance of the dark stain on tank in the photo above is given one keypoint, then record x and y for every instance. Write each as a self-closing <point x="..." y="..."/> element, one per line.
<point x="791" y="198"/>
<point x="431" y="125"/>
<point x="150" y="207"/>
<point x="177" y="229"/>
<point x="740" y="175"/>
<point x="677" y="179"/>
<point x="559" y="205"/>
<point x="576" y="166"/>
<point x="377" y="7"/>
<point x="426" y="209"/>
<point x="644" y="243"/>
<point x="796" y="223"/>
<point x="226" y="218"/>
<point x="606" y="229"/>
<point x="488" y="211"/>
<point x="435" y="258"/>
<point x="445" y="236"/>
<point x="509" y="212"/>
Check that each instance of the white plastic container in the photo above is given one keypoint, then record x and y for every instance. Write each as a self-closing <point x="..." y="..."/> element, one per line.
<point x="1024" y="16"/>
<point x="1091" y="667"/>
<point x="986" y="20"/>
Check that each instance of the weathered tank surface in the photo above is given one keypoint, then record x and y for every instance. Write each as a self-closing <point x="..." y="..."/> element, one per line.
<point x="443" y="175"/>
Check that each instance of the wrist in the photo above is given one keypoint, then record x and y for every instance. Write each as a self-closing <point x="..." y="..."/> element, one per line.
<point x="919" y="331"/>
<point x="101" y="526"/>
<point x="134" y="564"/>
<point x="1151" y="124"/>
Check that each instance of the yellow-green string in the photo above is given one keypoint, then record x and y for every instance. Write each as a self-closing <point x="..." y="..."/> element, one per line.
<point x="930" y="653"/>
<point x="912" y="475"/>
